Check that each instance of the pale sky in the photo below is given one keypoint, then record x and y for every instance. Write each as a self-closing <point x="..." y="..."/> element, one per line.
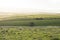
<point x="30" y="6"/>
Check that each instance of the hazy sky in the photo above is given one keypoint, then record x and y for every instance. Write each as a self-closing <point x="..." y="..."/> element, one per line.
<point x="29" y="5"/>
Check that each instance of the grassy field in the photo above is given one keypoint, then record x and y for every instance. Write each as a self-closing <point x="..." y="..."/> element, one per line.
<point x="29" y="33"/>
<point x="37" y="20"/>
<point x="30" y="27"/>
<point x="28" y="22"/>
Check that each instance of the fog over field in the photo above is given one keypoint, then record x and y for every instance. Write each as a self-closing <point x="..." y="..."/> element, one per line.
<point x="23" y="6"/>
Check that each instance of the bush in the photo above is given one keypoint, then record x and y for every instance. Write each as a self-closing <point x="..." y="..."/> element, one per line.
<point x="31" y="24"/>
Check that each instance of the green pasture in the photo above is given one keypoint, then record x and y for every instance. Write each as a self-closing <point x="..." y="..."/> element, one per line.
<point x="28" y="22"/>
<point x="25" y="20"/>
